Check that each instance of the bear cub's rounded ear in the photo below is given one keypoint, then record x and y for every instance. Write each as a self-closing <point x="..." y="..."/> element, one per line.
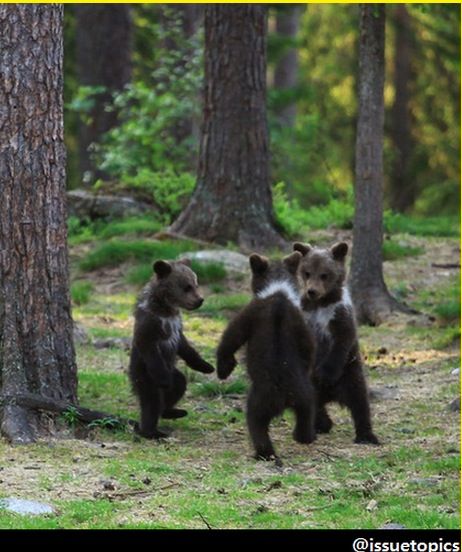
<point x="292" y="261"/>
<point x="339" y="251"/>
<point x="303" y="248"/>
<point x="258" y="264"/>
<point x="162" y="268"/>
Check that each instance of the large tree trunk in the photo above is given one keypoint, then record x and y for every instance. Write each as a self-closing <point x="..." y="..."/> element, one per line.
<point x="402" y="182"/>
<point x="369" y="292"/>
<point x="232" y="200"/>
<point x="286" y="72"/>
<point x="36" y="349"/>
<point x="104" y="48"/>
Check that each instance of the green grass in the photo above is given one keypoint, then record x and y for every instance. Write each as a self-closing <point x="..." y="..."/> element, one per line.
<point x="448" y="312"/>
<point x="81" y="292"/>
<point x="442" y="301"/>
<point x="219" y="389"/>
<point x="339" y="213"/>
<point x="442" y="226"/>
<point x="107" y="307"/>
<point x="393" y="250"/>
<point x="206" y="471"/>
<point x="115" y="252"/>
<point x="216" y="304"/>
<point x="207" y="273"/>
<point x="83" y="231"/>
<point x="139" y="274"/>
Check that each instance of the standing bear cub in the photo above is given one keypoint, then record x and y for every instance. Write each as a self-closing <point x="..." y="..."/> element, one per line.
<point x="280" y="353"/>
<point x="329" y="312"/>
<point x="158" y="338"/>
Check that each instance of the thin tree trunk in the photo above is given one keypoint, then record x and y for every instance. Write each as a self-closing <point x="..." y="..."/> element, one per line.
<point x="232" y="200"/>
<point x="36" y="348"/>
<point x="104" y="49"/>
<point x="402" y="183"/>
<point x="369" y="292"/>
<point x="286" y="72"/>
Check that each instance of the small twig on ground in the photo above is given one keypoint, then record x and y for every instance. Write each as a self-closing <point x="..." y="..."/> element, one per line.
<point x="446" y="265"/>
<point x="205" y="521"/>
<point x="328" y="455"/>
<point x="139" y="492"/>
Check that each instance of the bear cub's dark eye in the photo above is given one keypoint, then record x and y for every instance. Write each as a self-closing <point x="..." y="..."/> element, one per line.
<point x="187" y="288"/>
<point x="324" y="276"/>
<point x="307" y="274"/>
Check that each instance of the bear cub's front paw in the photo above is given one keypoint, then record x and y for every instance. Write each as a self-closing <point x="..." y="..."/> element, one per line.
<point x="225" y="367"/>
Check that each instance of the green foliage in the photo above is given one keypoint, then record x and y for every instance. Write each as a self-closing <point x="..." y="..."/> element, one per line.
<point x="395" y="250"/>
<point x="441" y="226"/>
<point x="116" y="252"/>
<point x="216" y="304"/>
<point x="150" y="151"/>
<point x="70" y="416"/>
<point x="442" y="301"/>
<point x="294" y="220"/>
<point x="168" y="190"/>
<point x="446" y="337"/>
<point x="449" y="312"/>
<point x="139" y="274"/>
<point x="83" y="231"/>
<point x="81" y="291"/>
<point x="109" y="422"/>
<point x="208" y="273"/>
<point x="339" y="213"/>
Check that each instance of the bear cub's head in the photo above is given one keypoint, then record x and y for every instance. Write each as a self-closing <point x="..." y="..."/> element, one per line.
<point x="176" y="284"/>
<point x="322" y="271"/>
<point x="266" y="272"/>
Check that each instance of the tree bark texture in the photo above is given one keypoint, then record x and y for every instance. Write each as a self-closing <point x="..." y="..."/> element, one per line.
<point x="286" y="72"/>
<point x="232" y="200"/>
<point x="367" y="284"/>
<point x="402" y="183"/>
<point x="36" y="348"/>
<point x="104" y="49"/>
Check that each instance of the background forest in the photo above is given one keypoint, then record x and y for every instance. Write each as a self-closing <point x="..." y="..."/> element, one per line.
<point x="137" y="102"/>
<point x="147" y="88"/>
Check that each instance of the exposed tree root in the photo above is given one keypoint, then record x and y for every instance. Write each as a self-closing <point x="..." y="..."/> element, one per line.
<point x="15" y="409"/>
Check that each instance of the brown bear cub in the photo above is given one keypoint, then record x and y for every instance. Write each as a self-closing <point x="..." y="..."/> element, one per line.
<point x="158" y="338"/>
<point x="280" y="353"/>
<point x="329" y="312"/>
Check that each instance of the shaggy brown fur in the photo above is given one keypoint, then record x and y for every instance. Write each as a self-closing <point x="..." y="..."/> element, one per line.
<point x="329" y="313"/>
<point x="280" y="353"/>
<point x="158" y="338"/>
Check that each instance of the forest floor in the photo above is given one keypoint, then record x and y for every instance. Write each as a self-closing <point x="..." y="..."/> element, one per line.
<point x="204" y="475"/>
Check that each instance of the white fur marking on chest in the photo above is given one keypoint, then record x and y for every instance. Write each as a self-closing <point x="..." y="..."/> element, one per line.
<point x="320" y="318"/>
<point x="281" y="286"/>
<point x="172" y="327"/>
